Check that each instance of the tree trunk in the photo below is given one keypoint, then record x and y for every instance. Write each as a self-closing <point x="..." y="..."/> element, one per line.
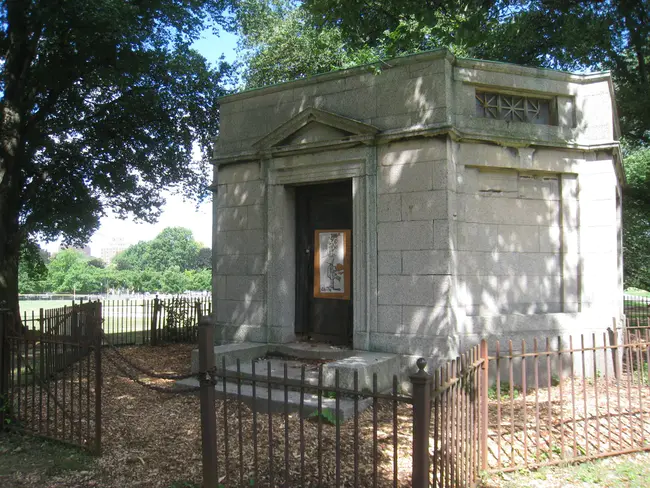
<point x="10" y="235"/>
<point x="21" y="48"/>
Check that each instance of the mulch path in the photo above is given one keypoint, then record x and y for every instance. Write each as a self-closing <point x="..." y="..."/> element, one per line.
<point x="152" y="439"/>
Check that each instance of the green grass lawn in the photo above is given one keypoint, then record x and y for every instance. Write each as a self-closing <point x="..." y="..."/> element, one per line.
<point x="27" y="461"/>
<point x="29" y="306"/>
<point x="120" y="316"/>
<point x="630" y="471"/>
<point x="637" y="292"/>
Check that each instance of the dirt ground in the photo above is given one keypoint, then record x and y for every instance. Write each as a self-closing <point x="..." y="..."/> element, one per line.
<point x="153" y="440"/>
<point x="605" y="416"/>
<point x="629" y="471"/>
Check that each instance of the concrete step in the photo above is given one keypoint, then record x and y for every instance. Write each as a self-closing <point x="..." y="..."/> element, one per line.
<point x="312" y="350"/>
<point x="365" y="364"/>
<point x="345" y="410"/>
<point x="245" y="352"/>
<point x="345" y="361"/>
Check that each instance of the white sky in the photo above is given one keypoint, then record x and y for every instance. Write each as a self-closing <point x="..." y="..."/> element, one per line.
<point x="177" y="212"/>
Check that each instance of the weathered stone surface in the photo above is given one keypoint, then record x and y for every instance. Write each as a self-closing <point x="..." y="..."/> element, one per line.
<point x="427" y="205"/>
<point x="390" y="262"/>
<point x="413" y="290"/>
<point x="405" y="235"/>
<point x="426" y="262"/>
<point x="403" y="178"/>
<point x="389" y="318"/>
<point x="389" y="208"/>
<point x="463" y="215"/>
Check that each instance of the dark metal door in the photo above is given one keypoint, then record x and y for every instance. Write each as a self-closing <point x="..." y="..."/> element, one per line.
<point x="321" y="207"/>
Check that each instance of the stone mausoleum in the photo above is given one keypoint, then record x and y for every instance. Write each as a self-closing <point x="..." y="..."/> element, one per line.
<point x="417" y="206"/>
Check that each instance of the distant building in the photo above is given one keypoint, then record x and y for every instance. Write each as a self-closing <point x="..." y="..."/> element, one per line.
<point x="116" y="246"/>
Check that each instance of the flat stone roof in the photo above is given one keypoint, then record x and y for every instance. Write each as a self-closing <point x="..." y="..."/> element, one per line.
<point x="441" y="53"/>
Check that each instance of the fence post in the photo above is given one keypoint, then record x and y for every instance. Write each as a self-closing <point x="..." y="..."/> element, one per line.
<point x="421" y="382"/>
<point x="154" y="322"/>
<point x="613" y="340"/>
<point x="483" y="414"/>
<point x="5" y="317"/>
<point x="97" y="332"/>
<point x="208" y="415"/>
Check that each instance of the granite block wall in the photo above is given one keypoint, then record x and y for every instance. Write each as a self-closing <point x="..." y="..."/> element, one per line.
<point x="240" y="251"/>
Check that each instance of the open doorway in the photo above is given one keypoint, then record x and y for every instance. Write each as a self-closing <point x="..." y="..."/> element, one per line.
<point x="324" y="302"/>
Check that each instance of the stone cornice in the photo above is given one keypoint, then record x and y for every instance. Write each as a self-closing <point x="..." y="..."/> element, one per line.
<point x="434" y="130"/>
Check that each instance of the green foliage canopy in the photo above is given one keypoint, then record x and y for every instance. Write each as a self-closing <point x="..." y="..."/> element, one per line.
<point x="636" y="224"/>
<point x="101" y="105"/>
<point x="174" y="246"/>
<point x="580" y="35"/>
<point x="169" y="264"/>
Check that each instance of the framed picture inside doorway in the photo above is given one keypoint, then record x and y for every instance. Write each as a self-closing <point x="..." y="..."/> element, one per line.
<point x="332" y="264"/>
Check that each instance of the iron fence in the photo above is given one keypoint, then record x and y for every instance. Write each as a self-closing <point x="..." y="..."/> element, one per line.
<point x="50" y="378"/>
<point x="636" y="307"/>
<point x="525" y="405"/>
<point x="272" y="430"/>
<point x="134" y="321"/>
<point x="458" y="420"/>
<point x="565" y="400"/>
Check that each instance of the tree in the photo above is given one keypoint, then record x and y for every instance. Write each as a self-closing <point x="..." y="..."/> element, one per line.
<point x="101" y="103"/>
<point x="32" y="272"/>
<point x="561" y="34"/>
<point x="70" y="271"/>
<point x="283" y="41"/>
<point x="96" y="263"/>
<point x="636" y="224"/>
<point x="279" y="43"/>
<point x="133" y="257"/>
<point x="174" y="246"/>
<point x="198" y="280"/>
<point x="204" y="259"/>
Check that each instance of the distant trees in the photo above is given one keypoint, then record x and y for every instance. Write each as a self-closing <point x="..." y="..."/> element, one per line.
<point x="173" y="262"/>
<point x="174" y="246"/>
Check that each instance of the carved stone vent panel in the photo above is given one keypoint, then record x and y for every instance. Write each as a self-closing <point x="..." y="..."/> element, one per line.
<point x="514" y="108"/>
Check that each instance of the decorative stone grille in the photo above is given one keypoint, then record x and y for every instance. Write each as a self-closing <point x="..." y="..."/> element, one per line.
<point x="514" y="108"/>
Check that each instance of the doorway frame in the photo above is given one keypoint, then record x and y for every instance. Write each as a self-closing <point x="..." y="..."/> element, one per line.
<point x="283" y="174"/>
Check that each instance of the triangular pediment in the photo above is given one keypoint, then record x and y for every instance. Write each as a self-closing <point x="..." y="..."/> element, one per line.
<point x="314" y="126"/>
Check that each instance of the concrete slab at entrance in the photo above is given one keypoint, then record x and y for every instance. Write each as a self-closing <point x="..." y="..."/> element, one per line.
<point x="275" y="367"/>
<point x="307" y="350"/>
<point x="346" y="408"/>
<point x="345" y="361"/>
<point x="365" y="364"/>
<point x="245" y="352"/>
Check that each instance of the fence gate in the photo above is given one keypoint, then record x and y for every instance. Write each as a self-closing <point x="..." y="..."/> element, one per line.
<point x="50" y="375"/>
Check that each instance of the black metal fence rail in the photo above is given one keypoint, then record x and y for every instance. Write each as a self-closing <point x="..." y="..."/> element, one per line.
<point x="636" y="307"/>
<point x="271" y="430"/>
<point x="134" y="321"/>
<point x="131" y="321"/>
<point x="50" y="379"/>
